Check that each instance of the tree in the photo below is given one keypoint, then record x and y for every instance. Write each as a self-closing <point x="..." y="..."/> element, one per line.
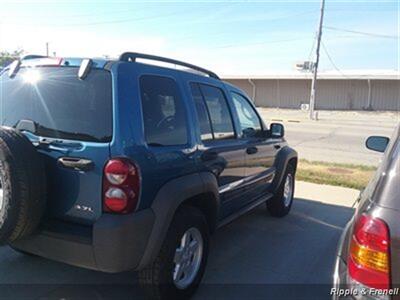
<point x="7" y="57"/>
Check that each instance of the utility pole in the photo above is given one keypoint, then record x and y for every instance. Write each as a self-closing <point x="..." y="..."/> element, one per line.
<point x="315" y="69"/>
<point x="47" y="49"/>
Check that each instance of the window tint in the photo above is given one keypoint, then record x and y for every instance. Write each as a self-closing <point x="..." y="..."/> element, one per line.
<point x="202" y="113"/>
<point x="250" y="124"/>
<point x="218" y="110"/>
<point x="59" y="103"/>
<point x="163" y="111"/>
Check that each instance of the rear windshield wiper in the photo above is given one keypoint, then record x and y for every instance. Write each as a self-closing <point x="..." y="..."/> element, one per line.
<point x="155" y="145"/>
<point x="54" y="136"/>
<point x="59" y="134"/>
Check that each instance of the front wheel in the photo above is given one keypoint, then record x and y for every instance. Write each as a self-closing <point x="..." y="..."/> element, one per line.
<point x="178" y="269"/>
<point x="279" y="205"/>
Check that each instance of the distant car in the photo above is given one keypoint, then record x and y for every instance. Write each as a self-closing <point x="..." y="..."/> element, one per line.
<point x="368" y="257"/>
<point x="117" y="165"/>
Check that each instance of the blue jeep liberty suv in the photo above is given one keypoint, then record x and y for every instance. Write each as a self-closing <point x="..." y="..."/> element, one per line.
<point x="117" y="165"/>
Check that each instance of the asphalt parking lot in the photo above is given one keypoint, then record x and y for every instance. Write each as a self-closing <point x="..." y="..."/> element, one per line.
<point x="254" y="257"/>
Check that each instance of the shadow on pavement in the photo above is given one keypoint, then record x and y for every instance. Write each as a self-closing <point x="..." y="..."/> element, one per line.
<point x="254" y="257"/>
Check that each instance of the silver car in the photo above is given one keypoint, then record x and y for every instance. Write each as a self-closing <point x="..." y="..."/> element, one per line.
<point x="368" y="257"/>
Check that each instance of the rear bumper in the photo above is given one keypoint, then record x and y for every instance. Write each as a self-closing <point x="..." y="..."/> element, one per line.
<point x="115" y="243"/>
<point x="340" y="271"/>
<point x="340" y="280"/>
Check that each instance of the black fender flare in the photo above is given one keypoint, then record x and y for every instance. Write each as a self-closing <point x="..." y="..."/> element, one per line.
<point x="167" y="201"/>
<point x="282" y="159"/>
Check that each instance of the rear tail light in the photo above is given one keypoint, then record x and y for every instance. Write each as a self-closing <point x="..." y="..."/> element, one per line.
<point x="369" y="256"/>
<point x="121" y="186"/>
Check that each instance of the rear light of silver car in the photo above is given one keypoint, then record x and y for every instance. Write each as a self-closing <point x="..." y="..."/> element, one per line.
<point x="121" y="186"/>
<point x="369" y="255"/>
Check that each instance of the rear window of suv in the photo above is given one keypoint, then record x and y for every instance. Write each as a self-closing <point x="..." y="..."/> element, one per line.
<point x="59" y="103"/>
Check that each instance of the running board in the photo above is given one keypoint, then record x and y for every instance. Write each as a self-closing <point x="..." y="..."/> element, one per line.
<point x="244" y="210"/>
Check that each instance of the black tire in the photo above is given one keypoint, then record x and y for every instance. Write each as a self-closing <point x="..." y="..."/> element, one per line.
<point x="157" y="279"/>
<point x="22" y="179"/>
<point x="277" y="206"/>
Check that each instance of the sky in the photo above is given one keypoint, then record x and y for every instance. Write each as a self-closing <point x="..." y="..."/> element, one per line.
<point x="229" y="37"/>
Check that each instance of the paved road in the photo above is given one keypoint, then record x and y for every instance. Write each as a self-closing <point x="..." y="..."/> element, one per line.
<point x="337" y="136"/>
<point x="254" y="257"/>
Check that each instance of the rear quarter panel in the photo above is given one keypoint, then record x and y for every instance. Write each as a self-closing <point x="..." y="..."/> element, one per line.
<point x="157" y="165"/>
<point x="392" y="218"/>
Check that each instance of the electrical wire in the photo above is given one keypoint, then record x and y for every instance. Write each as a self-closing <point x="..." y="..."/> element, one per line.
<point x="332" y="62"/>
<point x="362" y="32"/>
<point x="127" y="20"/>
<point x="217" y="34"/>
<point x="260" y="43"/>
<point x="92" y="14"/>
<point x="312" y="47"/>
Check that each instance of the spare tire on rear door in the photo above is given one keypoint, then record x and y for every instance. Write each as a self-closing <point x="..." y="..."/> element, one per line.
<point x="22" y="186"/>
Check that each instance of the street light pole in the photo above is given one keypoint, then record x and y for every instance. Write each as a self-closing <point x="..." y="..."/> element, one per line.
<point x="315" y="68"/>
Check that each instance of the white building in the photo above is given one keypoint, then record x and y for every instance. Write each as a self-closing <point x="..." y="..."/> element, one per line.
<point x="356" y="90"/>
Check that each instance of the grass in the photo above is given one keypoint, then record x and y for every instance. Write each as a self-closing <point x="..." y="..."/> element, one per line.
<point x="346" y="175"/>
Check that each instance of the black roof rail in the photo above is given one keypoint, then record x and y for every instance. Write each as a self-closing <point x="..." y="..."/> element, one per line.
<point x="132" y="56"/>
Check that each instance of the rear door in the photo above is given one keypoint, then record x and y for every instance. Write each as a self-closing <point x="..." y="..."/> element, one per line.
<point x="260" y="150"/>
<point x="221" y="152"/>
<point x="72" y="121"/>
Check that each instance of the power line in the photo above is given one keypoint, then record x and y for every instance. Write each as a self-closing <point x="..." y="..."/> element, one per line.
<point x="260" y="43"/>
<point x="331" y="60"/>
<point x="334" y="65"/>
<point x="121" y="20"/>
<point x="92" y="14"/>
<point x="217" y="34"/>
<point x="113" y="21"/>
<point x="312" y="48"/>
<point x="362" y="32"/>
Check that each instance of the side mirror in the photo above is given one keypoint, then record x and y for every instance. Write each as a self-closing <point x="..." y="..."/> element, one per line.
<point x="277" y="130"/>
<point x="377" y="143"/>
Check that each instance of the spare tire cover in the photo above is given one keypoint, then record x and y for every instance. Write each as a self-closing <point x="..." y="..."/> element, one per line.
<point x="22" y="186"/>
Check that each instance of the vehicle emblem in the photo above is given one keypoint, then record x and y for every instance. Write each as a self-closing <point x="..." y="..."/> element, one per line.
<point x="84" y="208"/>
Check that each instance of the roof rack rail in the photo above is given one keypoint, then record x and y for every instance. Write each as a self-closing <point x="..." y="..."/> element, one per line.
<point x="132" y="56"/>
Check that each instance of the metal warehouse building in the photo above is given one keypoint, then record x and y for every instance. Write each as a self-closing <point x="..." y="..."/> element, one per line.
<point x="334" y="91"/>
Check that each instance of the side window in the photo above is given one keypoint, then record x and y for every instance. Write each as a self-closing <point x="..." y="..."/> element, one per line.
<point x="221" y="120"/>
<point x="250" y="124"/>
<point x="202" y="113"/>
<point x="163" y="111"/>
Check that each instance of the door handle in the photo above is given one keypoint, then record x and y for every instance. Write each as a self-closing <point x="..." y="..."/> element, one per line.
<point x="251" y="150"/>
<point x="209" y="155"/>
<point x="76" y="163"/>
<point x="277" y="146"/>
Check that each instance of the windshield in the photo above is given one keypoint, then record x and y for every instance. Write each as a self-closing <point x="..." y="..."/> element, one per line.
<point x="59" y="103"/>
